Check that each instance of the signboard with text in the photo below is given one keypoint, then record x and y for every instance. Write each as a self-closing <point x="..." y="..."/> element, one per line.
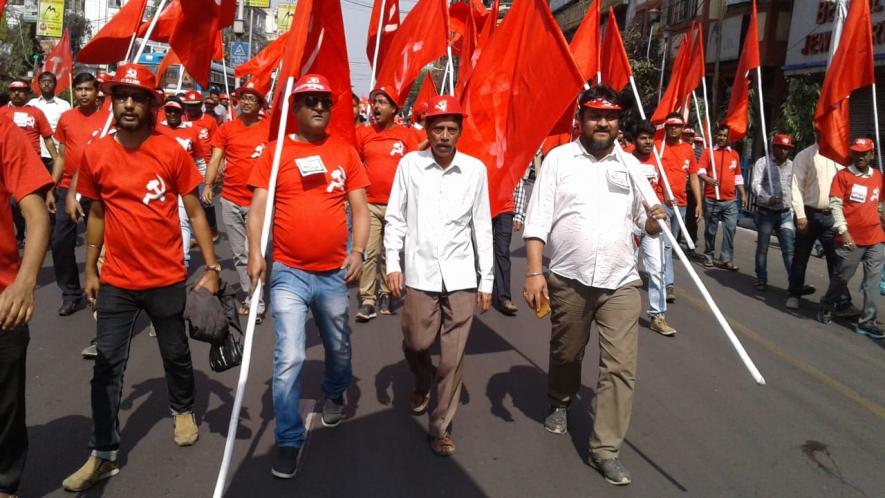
<point x="239" y="53"/>
<point x="285" y="13"/>
<point x="811" y="32"/>
<point x="50" y="18"/>
<point x="261" y="4"/>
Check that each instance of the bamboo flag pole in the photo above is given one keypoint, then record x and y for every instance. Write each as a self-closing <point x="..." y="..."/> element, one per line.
<point x="660" y="164"/>
<point x="381" y="15"/>
<point x="735" y="342"/>
<point x="256" y="294"/>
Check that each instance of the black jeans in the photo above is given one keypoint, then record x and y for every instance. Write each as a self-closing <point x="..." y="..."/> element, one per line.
<point x="117" y="312"/>
<point x="820" y="226"/>
<point x="64" y="242"/>
<point x="691" y="223"/>
<point x="13" y="431"/>
<point x="502" y="230"/>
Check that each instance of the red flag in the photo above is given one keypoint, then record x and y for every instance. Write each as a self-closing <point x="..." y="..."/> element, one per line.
<point x="851" y="68"/>
<point x="317" y="45"/>
<point x="58" y="62"/>
<point x="194" y="36"/>
<point x="2" y="6"/>
<point x="422" y="38"/>
<point x="482" y="40"/>
<point x="585" y="43"/>
<point x="110" y="44"/>
<point x="165" y="23"/>
<point x="428" y="90"/>
<point x="615" y="66"/>
<point x="218" y="49"/>
<point x="527" y="66"/>
<point x="738" y="118"/>
<point x="268" y="57"/>
<point x="674" y="97"/>
<point x="388" y="28"/>
<point x="468" y="46"/>
<point x="169" y="59"/>
<point x="459" y="15"/>
<point x="696" y="65"/>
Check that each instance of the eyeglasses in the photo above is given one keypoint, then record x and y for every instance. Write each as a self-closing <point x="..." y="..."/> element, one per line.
<point x="137" y="97"/>
<point x="248" y="98"/>
<point x="313" y="100"/>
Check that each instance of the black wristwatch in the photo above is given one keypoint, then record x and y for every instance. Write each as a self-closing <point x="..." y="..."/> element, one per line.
<point x="360" y="252"/>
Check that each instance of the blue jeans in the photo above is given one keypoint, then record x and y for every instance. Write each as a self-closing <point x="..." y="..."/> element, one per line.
<point x="292" y="293"/>
<point x="651" y="253"/>
<point x="781" y="222"/>
<point x="714" y="212"/>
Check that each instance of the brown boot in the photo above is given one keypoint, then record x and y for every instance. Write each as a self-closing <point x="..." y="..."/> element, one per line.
<point x="186" y="432"/>
<point x="443" y="445"/>
<point x="659" y="324"/>
<point x="95" y="469"/>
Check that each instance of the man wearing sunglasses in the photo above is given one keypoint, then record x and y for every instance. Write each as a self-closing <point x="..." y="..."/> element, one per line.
<point x="311" y="265"/>
<point x="134" y="178"/>
<point x="239" y="143"/>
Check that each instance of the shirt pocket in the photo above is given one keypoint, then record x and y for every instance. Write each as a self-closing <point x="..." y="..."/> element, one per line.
<point x="618" y="182"/>
<point x="457" y="204"/>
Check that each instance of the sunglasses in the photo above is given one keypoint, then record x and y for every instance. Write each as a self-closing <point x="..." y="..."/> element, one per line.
<point x="137" y="97"/>
<point x="312" y="101"/>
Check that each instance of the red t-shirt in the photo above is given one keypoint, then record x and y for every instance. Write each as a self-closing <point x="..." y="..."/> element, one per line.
<point x="242" y="145"/>
<point x="139" y="189"/>
<point x="21" y="174"/>
<point x="187" y="137"/>
<point x="310" y="227"/>
<point x="860" y="204"/>
<point x="728" y="172"/>
<point x="679" y="162"/>
<point x="206" y="126"/>
<point x="649" y="169"/>
<point x="75" y="131"/>
<point x="381" y="152"/>
<point x="31" y="120"/>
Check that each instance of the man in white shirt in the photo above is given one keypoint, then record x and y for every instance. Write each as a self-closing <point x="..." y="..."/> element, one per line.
<point x="52" y="107"/>
<point x="587" y="200"/>
<point x="438" y="206"/>
<point x="772" y="180"/>
<point x="810" y="199"/>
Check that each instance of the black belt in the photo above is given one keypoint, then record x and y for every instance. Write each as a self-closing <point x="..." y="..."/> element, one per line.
<point x="773" y="211"/>
<point x="827" y="211"/>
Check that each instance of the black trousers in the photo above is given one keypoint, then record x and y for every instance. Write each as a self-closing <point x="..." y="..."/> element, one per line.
<point x="691" y="223"/>
<point x="820" y="226"/>
<point x="64" y="242"/>
<point x="13" y="431"/>
<point x="502" y="231"/>
<point x="117" y="311"/>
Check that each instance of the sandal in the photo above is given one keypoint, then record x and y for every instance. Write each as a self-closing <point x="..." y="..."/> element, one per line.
<point x="728" y="266"/>
<point x="244" y="310"/>
<point x="708" y="264"/>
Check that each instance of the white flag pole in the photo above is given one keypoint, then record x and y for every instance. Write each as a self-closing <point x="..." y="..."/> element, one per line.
<point x="445" y="79"/>
<point x="451" y="71"/>
<point x="660" y="164"/>
<point x="709" y="146"/>
<point x="230" y="112"/>
<point x="736" y="344"/>
<point x="762" y="122"/>
<point x="381" y="15"/>
<point x="256" y="293"/>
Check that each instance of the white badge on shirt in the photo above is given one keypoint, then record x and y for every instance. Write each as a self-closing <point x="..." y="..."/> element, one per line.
<point x="858" y="193"/>
<point x="618" y="181"/>
<point x="311" y="165"/>
<point x="23" y="120"/>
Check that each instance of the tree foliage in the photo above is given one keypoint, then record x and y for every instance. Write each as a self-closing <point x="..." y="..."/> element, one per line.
<point x="796" y="114"/>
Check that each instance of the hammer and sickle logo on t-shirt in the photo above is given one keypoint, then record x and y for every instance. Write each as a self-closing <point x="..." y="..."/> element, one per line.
<point x="685" y="165"/>
<point x="258" y="151"/>
<point x="338" y="178"/>
<point x="398" y="149"/>
<point x="733" y="165"/>
<point x="875" y="196"/>
<point x="156" y="190"/>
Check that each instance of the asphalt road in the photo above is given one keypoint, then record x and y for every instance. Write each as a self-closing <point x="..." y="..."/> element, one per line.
<point x="701" y="427"/>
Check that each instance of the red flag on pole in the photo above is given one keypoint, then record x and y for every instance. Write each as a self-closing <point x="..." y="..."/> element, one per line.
<point x="269" y="57"/>
<point x="110" y="44"/>
<point x="388" y="28"/>
<point x="674" y="96"/>
<point x="165" y="23"/>
<point x="58" y="62"/>
<point x="195" y="34"/>
<point x="428" y="91"/>
<point x="468" y="46"/>
<point x="585" y="43"/>
<point x="482" y="40"/>
<point x="850" y="69"/>
<point x="738" y="118"/>
<point x="168" y="60"/>
<point x="694" y="72"/>
<point x="317" y="45"/>
<point x="615" y="66"/>
<point x="2" y="6"/>
<point x="526" y="66"/>
<point x="422" y="38"/>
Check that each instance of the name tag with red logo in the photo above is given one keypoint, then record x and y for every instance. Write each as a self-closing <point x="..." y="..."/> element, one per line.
<point x="858" y="193"/>
<point x="311" y="165"/>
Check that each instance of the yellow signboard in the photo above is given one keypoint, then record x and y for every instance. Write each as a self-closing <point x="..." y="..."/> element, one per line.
<point x="285" y="13"/>
<point x="50" y="18"/>
<point x="261" y="4"/>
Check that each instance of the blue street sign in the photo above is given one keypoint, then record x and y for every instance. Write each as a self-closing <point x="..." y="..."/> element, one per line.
<point x="239" y="53"/>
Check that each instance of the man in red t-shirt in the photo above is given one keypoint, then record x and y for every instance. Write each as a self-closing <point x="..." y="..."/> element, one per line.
<point x="721" y="204"/>
<point x="856" y="201"/>
<point x="134" y="178"/>
<point x="24" y="178"/>
<point x="381" y="144"/>
<point x="206" y="125"/>
<point x="240" y="144"/>
<point x="311" y="266"/>
<point x="76" y="129"/>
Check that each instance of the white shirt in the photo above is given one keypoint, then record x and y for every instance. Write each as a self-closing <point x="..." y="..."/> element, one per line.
<point x="589" y="208"/>
<point x="53" y="109"/>
<point x="812" y="177"/>
<point x="764" y="190"/>
<point x="438" y="213"/>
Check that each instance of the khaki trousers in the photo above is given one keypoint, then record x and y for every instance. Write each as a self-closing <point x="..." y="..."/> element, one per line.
<point x="616" y="313"/>
<point x="448" y="315"/>
<point x="374" y="268"/>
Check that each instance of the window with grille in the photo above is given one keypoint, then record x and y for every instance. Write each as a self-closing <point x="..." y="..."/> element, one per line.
<point x="679" y="11"/>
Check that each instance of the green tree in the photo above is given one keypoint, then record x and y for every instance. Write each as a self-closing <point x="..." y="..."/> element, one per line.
<point x="796" y="114"/>
<point x="17" y="52"/>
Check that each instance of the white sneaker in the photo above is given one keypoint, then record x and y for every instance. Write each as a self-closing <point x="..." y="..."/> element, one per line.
<point x="792" y="303"/>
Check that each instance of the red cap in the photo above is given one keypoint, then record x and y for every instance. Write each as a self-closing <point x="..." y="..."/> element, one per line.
<point x="861" y="145"/>
<point x="443" y="105"/>
<point x="192" y="97"/>
<point x="674" y="121"/>
<point x="173" y="104"/>
<point x="602" y="104"/>
<point x="223" y="96"/>
<point x="387" y="93"/>
<point x="312" y="83"/>
<point x="699" y="140"/>
<point x="783" y="140"/>
<point x="688" y="131"/>
<point x="134" y="76"/>
<point x="247" y="88"/>
<point x="19" y="85"/>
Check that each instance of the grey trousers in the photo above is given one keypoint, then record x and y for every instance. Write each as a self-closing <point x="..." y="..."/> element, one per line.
<point x="234" y="217"/>
<point x="873" y="258"/>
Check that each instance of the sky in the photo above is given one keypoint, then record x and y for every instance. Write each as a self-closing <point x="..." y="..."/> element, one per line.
<point x="356" y="27"/>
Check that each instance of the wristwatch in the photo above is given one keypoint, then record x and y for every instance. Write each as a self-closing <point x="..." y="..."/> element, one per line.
<point x="360" y="252"/>
<point x="216" y="268"/>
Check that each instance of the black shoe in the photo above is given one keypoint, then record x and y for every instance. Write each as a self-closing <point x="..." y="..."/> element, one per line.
<point x="808" y="290"/>
<point x="384" y="305"/>
<point x="366" y="313"/>
<point x="824" y="316"/>
<point x="71" y="307"/>
<point x="333" y="412"/>
<point x="761" y="286"/>
<point x="285" y="462"/>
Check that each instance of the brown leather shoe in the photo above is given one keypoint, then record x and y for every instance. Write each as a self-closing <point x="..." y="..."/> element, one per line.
<point x="419" y="401"/>
<point x="443" y="445"/>
<point x="508" y="308"/>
